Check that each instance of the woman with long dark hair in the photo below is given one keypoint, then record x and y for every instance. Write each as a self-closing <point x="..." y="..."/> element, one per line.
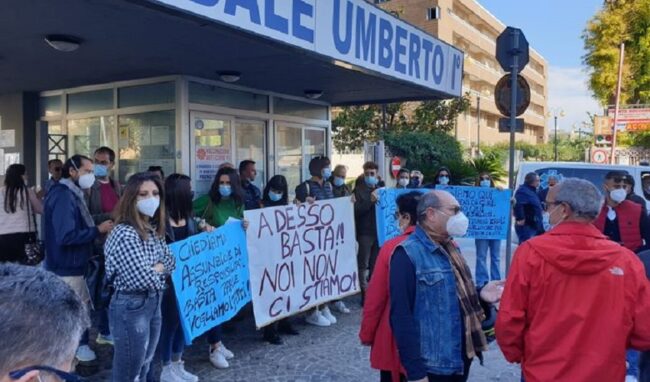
<point x="225" y="200"/>
<point x="138" y="261"/>
<point x="17" y="223"/>
<point x="276" y="193"/>
<point x="180" y="226"/>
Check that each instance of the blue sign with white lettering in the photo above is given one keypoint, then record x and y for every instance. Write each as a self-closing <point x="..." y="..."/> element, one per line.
<point x="486" y="208"/>
<point x="211" y="278"/>
<point x="352" y="31"/>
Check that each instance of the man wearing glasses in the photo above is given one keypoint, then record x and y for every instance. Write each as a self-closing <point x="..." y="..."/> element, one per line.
<point x="54" y="167"/>
<point x="42" y="321"/>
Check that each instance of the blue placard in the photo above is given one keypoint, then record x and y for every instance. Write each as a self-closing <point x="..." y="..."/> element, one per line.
<point x="211" y="278"/>
<point x="486" y="208"/>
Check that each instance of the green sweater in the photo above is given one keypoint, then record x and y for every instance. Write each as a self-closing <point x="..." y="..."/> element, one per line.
<point x="217" y="214"/>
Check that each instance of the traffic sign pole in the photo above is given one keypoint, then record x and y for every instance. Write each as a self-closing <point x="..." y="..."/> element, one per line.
<point x="513" y="123"/>
<point x="612" y="156"/>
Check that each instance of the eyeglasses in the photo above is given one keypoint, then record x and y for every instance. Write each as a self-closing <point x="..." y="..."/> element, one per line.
<point x="548" y="204"/>
<point x="56" y="169"/>
<point x="61" y="375"/>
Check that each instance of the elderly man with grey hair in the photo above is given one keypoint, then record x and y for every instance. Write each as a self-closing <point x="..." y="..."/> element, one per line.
<point x="436" y="313"/>
<point x="41" y="322"/>
<point x="574" y="300"/>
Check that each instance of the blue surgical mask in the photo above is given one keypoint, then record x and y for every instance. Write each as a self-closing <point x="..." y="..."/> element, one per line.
<point x="275" y="197"/>
<point x="371" y="180"/>
<point x="485" y="183"/>
<point x="338" y="181"/>
<point x="327" y="173"/>
<point x="443" y="180"/>
<point x="101" y="171"/>
<point x="225" y="190"/>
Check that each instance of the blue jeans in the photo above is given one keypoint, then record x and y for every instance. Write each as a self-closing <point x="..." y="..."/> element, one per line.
<point x="214" y="335"/>
<point x="135" y="321"/>
<point x="482" y="247"/>
<point x="172" y="342"/>
<point x="644" y="366"/>
<point x="632" y="358"/>
<point x="525" y="232"/>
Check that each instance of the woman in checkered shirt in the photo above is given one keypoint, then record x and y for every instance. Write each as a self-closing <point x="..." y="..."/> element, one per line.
<point x="137" y="261"/>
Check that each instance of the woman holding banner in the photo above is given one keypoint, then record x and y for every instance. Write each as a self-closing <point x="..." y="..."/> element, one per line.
<point x="483" y="245"/>
<point x="375" y="325"/>
<point x="137" y="263"/>
<point x="224" y="201"/>
<point x="276" y="193"/>
<point x="180" y="226"/>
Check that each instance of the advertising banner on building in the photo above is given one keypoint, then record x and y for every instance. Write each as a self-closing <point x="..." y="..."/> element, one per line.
<point x="211" y="278"/>
<point x="300" y="257"/>
<point x="486" y="208"/>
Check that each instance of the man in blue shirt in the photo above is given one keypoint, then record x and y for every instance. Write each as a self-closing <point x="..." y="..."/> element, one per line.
<point x="436" y="314"/>
<point x="252" y="194"/>
<point x="528" y="209"/>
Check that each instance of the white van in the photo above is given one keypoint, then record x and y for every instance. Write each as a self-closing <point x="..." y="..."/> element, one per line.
<point x="595" y="173"/>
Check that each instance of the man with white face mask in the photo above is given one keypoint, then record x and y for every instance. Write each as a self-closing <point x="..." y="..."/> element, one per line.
<point x="436" y="312"/>
<point x="622" y="220"/>
<point x="71" y="231"/>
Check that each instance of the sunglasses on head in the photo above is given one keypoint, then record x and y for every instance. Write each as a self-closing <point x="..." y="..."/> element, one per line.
<point x="62" y="375"/>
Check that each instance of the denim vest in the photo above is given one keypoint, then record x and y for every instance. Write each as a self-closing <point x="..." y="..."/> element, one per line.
<point x="436" y="309"/>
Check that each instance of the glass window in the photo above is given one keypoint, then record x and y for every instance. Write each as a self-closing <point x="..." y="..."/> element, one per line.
<point x="288" y="143"/>
<point x="250" y="145"/>
<point x="152" y="94"/>
<point x="90" y="101"/>
<point x="57" y="141"/>
<point x="49" y="106"/>
<point x="212" y="147"/>
<point x="87" y="134"/>
<point x="594" y="175"/>
<point x="313" y="146"/>
<point x="299" y="109"/>
<point x="146" y="139"/>
<point x="236" y="99"/>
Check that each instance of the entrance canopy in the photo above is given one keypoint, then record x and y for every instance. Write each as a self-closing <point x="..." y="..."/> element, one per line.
<point x="350" y="50"/>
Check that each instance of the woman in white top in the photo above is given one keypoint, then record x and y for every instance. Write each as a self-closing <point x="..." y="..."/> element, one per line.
<point x="18" y="204"/>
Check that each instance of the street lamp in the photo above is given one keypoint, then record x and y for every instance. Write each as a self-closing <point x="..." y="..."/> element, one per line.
<point x="555" y="113"/>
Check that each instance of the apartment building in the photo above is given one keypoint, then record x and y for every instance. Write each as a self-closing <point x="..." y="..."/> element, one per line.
<point x="470" y="27"/>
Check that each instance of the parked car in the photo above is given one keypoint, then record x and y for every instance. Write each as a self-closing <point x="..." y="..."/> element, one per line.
<point x="595" y="173"/>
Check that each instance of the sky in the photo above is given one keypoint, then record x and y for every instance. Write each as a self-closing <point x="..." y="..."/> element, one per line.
<point x="553" y="28"/>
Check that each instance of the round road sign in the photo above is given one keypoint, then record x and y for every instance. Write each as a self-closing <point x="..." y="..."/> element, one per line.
<point x="599" y="156"/>
<point x="502" y="95"/>
<point x="395" y="166"/>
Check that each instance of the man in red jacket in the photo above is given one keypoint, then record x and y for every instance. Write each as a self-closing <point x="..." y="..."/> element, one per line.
<point x="622" y="220"/>
<point x="375" y="325"/>
<point x="574" y="300"/>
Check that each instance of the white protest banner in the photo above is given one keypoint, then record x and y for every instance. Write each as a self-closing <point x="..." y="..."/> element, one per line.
<point x="300" y="257"/>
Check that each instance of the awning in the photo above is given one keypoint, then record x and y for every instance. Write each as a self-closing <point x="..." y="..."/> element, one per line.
<point x="350" y="50"/>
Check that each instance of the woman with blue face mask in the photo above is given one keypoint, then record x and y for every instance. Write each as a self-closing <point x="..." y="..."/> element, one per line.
<point x="276" y="194"/>
<point x="484" y="180"/>
<point x="225" y="200"/>
<point x="338" y="181"/>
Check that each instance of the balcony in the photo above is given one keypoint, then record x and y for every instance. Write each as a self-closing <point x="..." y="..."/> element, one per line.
<point x="483" y="71"/>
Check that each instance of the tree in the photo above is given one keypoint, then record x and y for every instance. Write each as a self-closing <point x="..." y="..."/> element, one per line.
<point x="353" y="125"/>
<point x="619" y="21"/>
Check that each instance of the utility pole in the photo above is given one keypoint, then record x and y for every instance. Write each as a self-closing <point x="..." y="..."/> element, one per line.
<point x="618" y="100"/>
<point x="478" y="125"/>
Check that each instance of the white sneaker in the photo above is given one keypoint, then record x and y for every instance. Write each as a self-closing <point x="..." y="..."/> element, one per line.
<point x="328" y="315"/>
<point x="226" y="353"/>
<point x="218" y="360"/>
<point x="85" y="354"/>
<point x="631" y="378"/>
<point x="340" y="307"/>
<point x="317" y="319"/>
<point x="186" y="376"/>
<point x="104" y="340"/>
<point x="170" y="374"/>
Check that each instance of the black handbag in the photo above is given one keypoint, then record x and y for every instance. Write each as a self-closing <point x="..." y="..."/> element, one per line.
<point x="100" y="287"/>
<point x="34" y="252"/>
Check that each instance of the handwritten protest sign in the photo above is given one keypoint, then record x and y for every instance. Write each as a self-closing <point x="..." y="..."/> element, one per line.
<point x="300" y="257"/>
<point x="486" y="208"/>
<point x="210" y="279"/>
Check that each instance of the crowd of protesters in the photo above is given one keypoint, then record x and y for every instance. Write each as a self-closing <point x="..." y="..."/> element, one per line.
<point x="574" y="307"/>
